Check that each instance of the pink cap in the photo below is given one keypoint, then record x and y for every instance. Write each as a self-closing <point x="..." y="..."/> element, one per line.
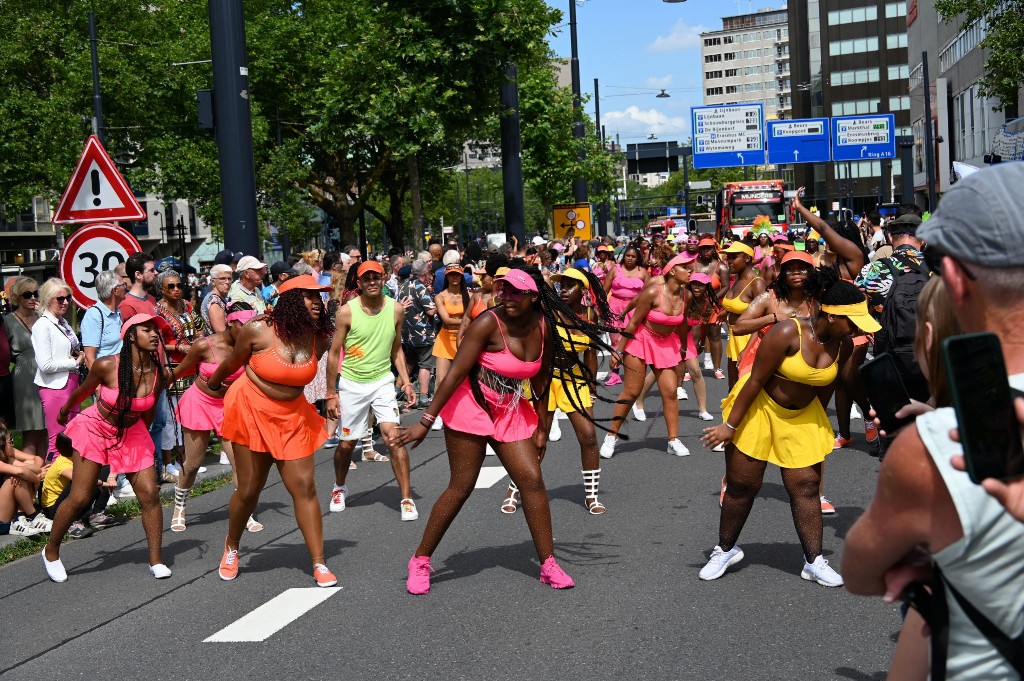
<point x="684" y="258"/>
<point x="520" y="280"/>
<point x="142" y="318"/>
<point x="557" y="246"/>
<point x="700" y="278"/>
<point x="242" y="316"/>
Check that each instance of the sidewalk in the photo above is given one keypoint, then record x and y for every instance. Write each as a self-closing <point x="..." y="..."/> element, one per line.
<point x="213" y="470"/>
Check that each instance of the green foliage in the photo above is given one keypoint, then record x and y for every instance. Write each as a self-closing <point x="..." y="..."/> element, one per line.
<point x="1004" y="42"/>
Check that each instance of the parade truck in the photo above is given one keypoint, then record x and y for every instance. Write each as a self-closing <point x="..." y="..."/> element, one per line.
<point x="740" y="203"/>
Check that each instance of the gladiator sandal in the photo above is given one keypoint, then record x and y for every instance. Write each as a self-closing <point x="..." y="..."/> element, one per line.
<point x="591" y="481"/>
<point x="511" y="502"/>
<point x="178" y="515"/>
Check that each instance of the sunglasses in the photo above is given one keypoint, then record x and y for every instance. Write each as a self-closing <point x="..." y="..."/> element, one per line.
<point x="62" y="299"/>
<point x="933" y="257"/>
<point x="30" y="294"/>
<point x="172" y="286"/>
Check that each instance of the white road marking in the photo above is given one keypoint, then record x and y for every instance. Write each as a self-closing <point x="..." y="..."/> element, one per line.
<point x="489" y="476"/>
<point x="273" y="616"/>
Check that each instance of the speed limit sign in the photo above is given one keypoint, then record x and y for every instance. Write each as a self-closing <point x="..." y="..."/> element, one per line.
<point x="90" y="250"/>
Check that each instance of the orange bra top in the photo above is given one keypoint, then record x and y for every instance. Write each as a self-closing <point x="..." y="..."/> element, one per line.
<point x="271" y="367"/>
<point x="478" y="307"/>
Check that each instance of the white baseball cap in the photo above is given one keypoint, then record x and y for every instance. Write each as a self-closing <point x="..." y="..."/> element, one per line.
<point x="539" y="241"/>
<point x="248" y="262"/>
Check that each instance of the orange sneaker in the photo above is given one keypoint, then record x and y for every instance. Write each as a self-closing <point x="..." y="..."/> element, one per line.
<point x="228" y="564"/>
<point x="827" y="508"/>
<point x="323" y="576"/>
<point x="870" y="431"/>
<point x="842" y="442"/>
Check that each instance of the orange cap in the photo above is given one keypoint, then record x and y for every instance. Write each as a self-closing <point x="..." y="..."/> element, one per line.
<point x="370" y="266"/>
<point x="707" y="241"/>
<point x="802" y="256"/>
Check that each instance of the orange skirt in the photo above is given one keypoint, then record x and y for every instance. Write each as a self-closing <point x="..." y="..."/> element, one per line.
<point x="286" y="430"/>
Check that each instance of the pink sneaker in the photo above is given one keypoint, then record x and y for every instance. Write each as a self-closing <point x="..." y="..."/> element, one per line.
<point x="418" y="582"/>
<point x="613" y="379"/>
<point x="551" y="573"/>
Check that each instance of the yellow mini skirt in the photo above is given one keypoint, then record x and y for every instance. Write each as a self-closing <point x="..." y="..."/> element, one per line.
<point x="736" y="345"/>
<point x="788" y="438"/>
<point x="559" y="398"/>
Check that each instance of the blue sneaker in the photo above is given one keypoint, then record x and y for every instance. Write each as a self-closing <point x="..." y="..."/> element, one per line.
<point x="331" y="443"/>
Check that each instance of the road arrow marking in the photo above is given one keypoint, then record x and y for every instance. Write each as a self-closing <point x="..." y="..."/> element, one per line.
<point x="273" y="616"/>
<point x="489" y="476"/>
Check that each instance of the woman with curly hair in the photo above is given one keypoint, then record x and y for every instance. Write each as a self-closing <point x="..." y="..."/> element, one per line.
<point x="201" y="410"/>
<point x="483" y="399"/>
<point x="113" y="432"/>
<point x="622" y="285"/>
<point x="267" y="417"/>
<point x="774" y="414"/>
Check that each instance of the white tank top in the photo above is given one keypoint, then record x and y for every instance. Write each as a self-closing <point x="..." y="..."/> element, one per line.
<point x="986" y="565"/>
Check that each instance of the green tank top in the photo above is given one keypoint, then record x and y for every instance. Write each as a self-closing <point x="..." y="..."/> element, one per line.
<point x="368" y="343"/>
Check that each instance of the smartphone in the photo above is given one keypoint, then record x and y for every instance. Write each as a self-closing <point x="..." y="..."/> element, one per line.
<point x="886" y="392"/>
<point x="989" y="432"/>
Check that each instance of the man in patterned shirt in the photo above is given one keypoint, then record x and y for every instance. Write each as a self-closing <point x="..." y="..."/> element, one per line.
<point x="418" y="330"/>
<point x="877" y="277"/>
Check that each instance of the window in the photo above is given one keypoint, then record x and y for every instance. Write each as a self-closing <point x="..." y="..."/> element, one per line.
<point x="900" y="72"/>
<point x="840" y="47"/>
<point x="855" y="76"/>
<point x="872" y="169"/>
<point x="855" y="107"/>
<point x="852" y="16"/>
<point x="969" y="117"/>
<point x="711" y="58"/>
<point x="750" y="54"/>
<point x="901" y="103"/>
<point x="731" y="89"/>
<point x="915" y="77"/>
<point x="712" y="91"/>
<point x="771" y="85"/>
<point x="728" y="40"/>
<point x="732" y="73"/>
<point x="895" y="9"/>
<point x="752" y="87"/>
<point x="710" y="42"/>
<point x="751" y="70"/>
<point x="896" y="41"/>
<point x="729" y="56"/>
<point x="708" y="75"/>
<point x="964" y="42"/>
<point x="768" y="35"/>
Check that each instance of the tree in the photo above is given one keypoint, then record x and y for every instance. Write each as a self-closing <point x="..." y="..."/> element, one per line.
<point x="1004" y="42"/>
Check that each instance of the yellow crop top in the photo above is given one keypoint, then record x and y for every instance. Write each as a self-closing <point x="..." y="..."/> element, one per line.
<point x="736" y="305"/>
<point x="795" y="368"/>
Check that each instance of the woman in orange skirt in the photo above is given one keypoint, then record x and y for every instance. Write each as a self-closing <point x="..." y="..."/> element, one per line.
<point x="268" y="419"/>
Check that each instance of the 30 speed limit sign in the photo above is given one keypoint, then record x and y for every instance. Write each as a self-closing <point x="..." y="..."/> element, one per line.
<point x="90" y="250"/>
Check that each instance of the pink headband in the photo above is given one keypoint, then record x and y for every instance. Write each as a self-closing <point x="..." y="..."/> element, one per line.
<point x="242" y="316"/>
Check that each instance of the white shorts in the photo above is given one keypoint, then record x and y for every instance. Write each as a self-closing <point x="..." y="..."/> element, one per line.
<point x="357" y="399"/>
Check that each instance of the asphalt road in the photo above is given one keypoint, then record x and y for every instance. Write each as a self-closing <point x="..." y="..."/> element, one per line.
<point x="638" y="610"/>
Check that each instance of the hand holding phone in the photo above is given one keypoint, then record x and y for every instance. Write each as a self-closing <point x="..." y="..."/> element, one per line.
<point x="886" y="392"/>
<point x="987" y="422"/>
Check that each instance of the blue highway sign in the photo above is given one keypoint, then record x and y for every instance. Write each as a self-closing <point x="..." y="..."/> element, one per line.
<point x="857" y="138"/>
<point x="805" y="140"/>
<point x="726" y="136"/>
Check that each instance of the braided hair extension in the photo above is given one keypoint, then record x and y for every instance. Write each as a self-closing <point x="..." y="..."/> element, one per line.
<point x="126" y="385"/>
<point x="848" y="230"/>
<point x="292" y="322"/>
<point x="708" y="306"/>
<point x="604" y="311"/>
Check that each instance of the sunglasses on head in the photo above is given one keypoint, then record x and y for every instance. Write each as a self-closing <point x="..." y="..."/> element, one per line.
<point x="172" y="286"/>
<point x="933" y="257"/>
<point x="62" y="299"/>
<point x="30" y="294"/>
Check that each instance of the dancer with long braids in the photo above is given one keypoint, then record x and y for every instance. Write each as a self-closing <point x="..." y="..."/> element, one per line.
<point x="201" y="410"/>
<point x="774" y="415"/>
<point x="623" y="284"/>
<point x="482" y="399"/>
<point x="268" y="419"/>
<point x="113" y="432"/>
<point x="744" y="290"/>
<point x="658" y="328"/>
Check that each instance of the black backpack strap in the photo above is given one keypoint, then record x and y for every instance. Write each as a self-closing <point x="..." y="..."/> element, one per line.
<point x="938" y="624"/>
<point x="1012" y="649"/>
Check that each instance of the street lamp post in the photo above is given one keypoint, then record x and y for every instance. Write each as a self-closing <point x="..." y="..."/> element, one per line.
<point x="579" y="186"/>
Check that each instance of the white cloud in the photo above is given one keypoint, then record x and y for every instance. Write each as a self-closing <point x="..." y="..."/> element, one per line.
<point x="634" y="121"/>
<point x="658" y="83"/>
<point x="682" y="37"/>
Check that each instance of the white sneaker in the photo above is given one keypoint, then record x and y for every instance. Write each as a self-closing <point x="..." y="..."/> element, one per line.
<point x="409" y="511"/>
<point x="681" y="394"/>
<point x="21" y="527"/>
<point x="224" y="461"/>
<point x="720" y="561"/>
<point x="705" y="416"/>
<point x="126" y="491"/>
<point x="54" y="569"/>
<point x="561" y="415"/>
<point x="720" y="447"/>
<point x="855" y="412"/>
<point x="678" y="448"/>
<point x="438" y="425"/>
<point x="608" y="446"/>
<point x="489" y="450"/>
<point x="708" y="364"/>
<point x="160" y="571"/>
<point x="556" y="431"/>
<point x="821" y="572"/>
<point x="173" y="469"/>
<point x="42" y="523"/>
<point x="111" y="500"/>
<point x="639" y="414"/>
<point x="338" y="495"/>
<point x="202" y="469"/>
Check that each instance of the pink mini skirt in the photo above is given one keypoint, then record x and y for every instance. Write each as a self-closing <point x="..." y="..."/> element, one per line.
<point x="661" y="352"/>
<point x="95" y="439"/>
<point x="511" y="419"/>
<point x="199" y="411"/>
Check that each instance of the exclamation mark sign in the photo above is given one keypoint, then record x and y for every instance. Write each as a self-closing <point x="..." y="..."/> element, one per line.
<point x="94" y="175"/>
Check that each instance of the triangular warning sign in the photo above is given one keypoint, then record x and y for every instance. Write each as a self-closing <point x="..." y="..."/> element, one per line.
<point x="97" y="192"/>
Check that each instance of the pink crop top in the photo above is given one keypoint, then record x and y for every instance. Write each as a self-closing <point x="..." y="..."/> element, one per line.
<point x="206" y="369"/>
<point x="656" y="316"/>
<point x="139" y="404"/>
<point x="506" y="363"/>
<point x="625" y="287"/>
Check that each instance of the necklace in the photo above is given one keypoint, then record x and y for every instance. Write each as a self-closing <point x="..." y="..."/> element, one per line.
<point x="814" y="336"/>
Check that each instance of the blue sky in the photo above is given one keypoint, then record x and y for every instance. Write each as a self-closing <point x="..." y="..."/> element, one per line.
<point x="635" y="48"/>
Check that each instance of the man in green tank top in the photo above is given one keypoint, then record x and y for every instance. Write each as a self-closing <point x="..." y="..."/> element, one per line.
<point x="368" y="330"/>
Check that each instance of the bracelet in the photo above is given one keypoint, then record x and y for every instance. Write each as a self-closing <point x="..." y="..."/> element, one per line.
<point x="429" y="418"/>
<point x="729" y="425"/>
<point x="775" y="315"/>
<point x="216" y="390"/>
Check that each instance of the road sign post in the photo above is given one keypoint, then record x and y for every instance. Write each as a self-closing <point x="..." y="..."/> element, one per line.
<point x="863" y="138"/>
<point x="90" y="250"/>
<point x="728" y="136"/>
<point x="803" y="140"/>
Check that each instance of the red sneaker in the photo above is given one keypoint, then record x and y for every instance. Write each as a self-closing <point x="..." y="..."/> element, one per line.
<point x="842" y="442"/>
<point x="827" y="508"/>
<point x="551" y="573"/>
<point x="323" y="576"/>
<point x="228" y="564"/>
<point x="870" y="430"/>
<point x="418" y="582"/>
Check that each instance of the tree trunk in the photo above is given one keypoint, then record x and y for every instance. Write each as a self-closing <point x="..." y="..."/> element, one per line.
<point x="396" y="222"/>
<point x="417" y="198"/>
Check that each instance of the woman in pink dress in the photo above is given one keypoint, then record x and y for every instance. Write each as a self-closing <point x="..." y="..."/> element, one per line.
<point x="623" y="285"/>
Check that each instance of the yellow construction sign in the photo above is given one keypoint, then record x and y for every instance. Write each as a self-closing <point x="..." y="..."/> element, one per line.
<point x="572" y="219"/>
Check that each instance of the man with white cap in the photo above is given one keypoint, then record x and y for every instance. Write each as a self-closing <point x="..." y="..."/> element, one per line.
<point x="246" y="288"/>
